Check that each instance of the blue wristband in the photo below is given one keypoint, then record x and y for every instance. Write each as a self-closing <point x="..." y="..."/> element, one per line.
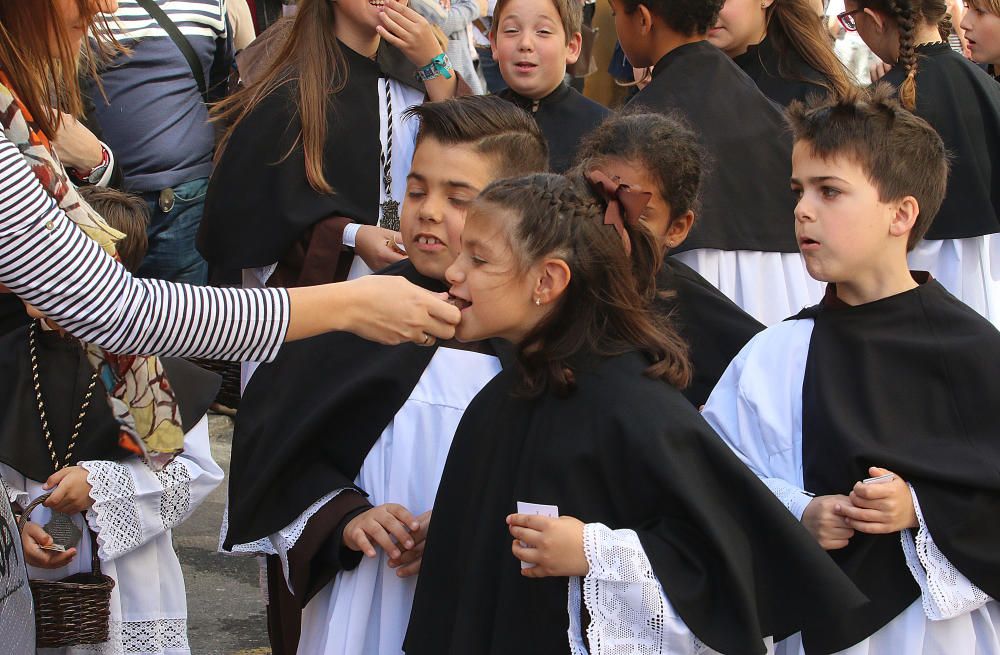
<point x="438" y="67"/>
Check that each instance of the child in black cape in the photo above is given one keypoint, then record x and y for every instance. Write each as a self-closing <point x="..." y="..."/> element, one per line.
<point x="872" y="415"/>
<point x="360" y="453"/>
<point x="659" y="155"/>
<point x="532" y="42"/>
<point x="665" y="537"/>
<point x="962" y="103"/>
<point x="744" y="243"/>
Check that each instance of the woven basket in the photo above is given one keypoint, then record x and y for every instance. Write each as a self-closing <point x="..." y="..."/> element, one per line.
<point x="75" y="610"/>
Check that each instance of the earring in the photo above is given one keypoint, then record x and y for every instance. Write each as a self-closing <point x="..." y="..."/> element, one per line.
<point x="538" y="302"/>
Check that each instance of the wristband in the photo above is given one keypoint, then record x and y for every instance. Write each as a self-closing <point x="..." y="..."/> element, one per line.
<point x="438" y="67"/>
<point x="94" y="175"/>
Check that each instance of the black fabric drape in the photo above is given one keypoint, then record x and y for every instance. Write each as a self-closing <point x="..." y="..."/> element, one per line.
<point x="762" y="64"/>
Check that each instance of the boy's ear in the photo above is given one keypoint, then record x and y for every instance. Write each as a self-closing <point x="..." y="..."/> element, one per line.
<point x="493" y="45"/>
<point x="553" y="279"/>
<point x="573" y="48"/>
<point x="907" y="211"/>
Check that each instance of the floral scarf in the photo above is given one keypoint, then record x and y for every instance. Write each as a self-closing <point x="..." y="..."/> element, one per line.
<point x="141" y="398"/>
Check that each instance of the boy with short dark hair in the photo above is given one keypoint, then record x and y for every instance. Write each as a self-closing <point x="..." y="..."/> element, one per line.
<point x="125" y="212"/>
<point x="533" y="41"/>
<point x="351" y="415"/>
<point x="872" y="415"/>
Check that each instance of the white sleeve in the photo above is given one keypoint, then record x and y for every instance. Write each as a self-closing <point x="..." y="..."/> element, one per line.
<point x="46" y="260"/>
<point x="132" y="504"/>
<point x="945" y="592"/>
<point x="629" y="612"/>
<point x="350" y="235"/>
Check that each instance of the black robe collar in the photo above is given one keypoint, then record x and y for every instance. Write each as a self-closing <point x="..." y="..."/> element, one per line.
<point x="65" y="373"/>
<point x="629" y="452"/>
<point x="745" y="200"/>
<point x="906" y="383"/>
<point x="962" y="103"/>
<point x="763" y="64"/>
<point x="564" y="116"/>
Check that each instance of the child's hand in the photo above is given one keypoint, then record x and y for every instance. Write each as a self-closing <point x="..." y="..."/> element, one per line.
<point x="881" y="508"/>
<point x="823" y="521"/>
<point x="409" y="32"/>
<point x="380" y="525"/>
<point x="377" y="246"/>
<point x="72" y="491"/>
<point x="32" y="537"/>
<point x="556" y="545"/>
<point x="408" y="563"/>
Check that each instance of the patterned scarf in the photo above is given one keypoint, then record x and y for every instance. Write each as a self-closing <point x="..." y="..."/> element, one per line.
<point x="141" y="399"/>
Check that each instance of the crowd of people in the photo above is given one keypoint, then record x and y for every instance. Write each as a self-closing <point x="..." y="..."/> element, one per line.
<point x="707" y="373"/>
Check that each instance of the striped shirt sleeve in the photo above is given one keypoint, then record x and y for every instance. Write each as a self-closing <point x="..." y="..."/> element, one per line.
<point x="49" y="262"/>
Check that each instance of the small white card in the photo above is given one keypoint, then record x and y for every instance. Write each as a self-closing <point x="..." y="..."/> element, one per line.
<point x="879" y="479"/>
<point x="536" y="510"/>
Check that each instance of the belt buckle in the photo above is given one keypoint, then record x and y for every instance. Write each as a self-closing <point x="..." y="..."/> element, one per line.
<point x="166" y="200"/>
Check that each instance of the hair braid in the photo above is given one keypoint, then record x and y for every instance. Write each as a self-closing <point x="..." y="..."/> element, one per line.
<point x="903" y="10"/>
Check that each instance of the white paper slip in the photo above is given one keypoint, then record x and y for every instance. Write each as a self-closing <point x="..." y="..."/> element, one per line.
<point x="535" y="509"/>
<point x="880" y="479"/>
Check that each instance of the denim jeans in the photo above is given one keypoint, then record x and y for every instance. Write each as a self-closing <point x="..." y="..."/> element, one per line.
<point x="172" y="254"/>
<point x="490" y="70"/>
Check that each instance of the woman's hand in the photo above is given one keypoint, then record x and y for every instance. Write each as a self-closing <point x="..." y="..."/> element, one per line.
<point x="408" y="563"/>
<point x="825" y="524"/>
<point x="554" y="546"/>
<point x="379" y="526"/>
<point x="878" y="69"/>
<point x="72" y="491"/>
<point x="409" y="32"/>
<point x="33" y="537"/>
<point x="77" y="146"/>
<point x="377" y="246"/>
<point x="880" y="508"/>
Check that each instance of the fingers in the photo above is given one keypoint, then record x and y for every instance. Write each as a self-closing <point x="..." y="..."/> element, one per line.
<point x="393" y="40"/>
<point x="408" y="557"/>
<point x="361" y="541"/>
<point x="532" y="521"/>
<point x="376" y="531"/>
<point x="871" y="527"/>
<point x="871" y="492"/>
<point x="852" y="513"/>
<point x="526" y="535"/>
<point x="55" y="478"/>
<point x="526" y="555"/>
<point x="410" y="569"/>
<point x="33" y="534"/>
<point x="405" y="16"/>
<point x="441" y="310"/>
<point x="58" y="497"/>
<point x="404" y="515"/>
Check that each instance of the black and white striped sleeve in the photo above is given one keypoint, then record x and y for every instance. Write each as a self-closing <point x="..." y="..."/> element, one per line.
<point x="46" y="260"/>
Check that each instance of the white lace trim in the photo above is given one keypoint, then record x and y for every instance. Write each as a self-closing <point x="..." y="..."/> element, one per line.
<point x="175" y="503"/>
<point x="945" y="591"/>
<point x="628" y="610"/>
<point x="115" y="512"/>
<point x="793" y="498"/>
<point x="142" y="637"/>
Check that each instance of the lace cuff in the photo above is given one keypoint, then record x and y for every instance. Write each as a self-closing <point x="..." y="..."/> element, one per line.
<point x="791" y="497"/>
<point x="945" y="592"/>
<point x="628" y="609"/>
<point x="114" y="515"/>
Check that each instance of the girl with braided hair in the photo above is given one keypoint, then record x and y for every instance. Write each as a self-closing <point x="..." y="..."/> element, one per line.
<point x="962" y="103"/>
<point x="665" y="539"/>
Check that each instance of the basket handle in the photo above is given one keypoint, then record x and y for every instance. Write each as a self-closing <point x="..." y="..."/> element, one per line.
<point x="95" y="560"/>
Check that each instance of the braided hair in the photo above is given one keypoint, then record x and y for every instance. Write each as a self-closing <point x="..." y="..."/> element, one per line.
<point x="605" y="310"/>
<point x="908" y="14"/>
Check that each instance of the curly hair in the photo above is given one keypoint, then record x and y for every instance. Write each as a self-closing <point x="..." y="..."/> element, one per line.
<point x="687" y="17"/>
<point x="605" y="310"/>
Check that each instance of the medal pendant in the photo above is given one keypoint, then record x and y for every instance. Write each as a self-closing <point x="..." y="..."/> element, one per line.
<point x="390" y="215"/>
<point x="63" y="531"/>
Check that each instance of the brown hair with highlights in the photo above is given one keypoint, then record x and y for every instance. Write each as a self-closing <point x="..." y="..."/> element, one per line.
<point x="126" y="213"/>
<point x="794" y="25"/>
<point x="900" y="153"/>
<point x="605" y="310"/>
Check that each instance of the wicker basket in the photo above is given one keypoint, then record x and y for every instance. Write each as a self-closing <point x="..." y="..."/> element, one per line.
<point x="75" y="610"/>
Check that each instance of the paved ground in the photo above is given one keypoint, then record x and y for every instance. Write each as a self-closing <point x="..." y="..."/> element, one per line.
<point x="225" y="607"/>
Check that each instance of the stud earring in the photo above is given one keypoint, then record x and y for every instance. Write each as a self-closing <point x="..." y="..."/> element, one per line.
<point x="538" y="302"/>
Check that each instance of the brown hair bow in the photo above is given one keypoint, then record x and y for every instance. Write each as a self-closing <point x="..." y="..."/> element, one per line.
<point x="625" y="204"/>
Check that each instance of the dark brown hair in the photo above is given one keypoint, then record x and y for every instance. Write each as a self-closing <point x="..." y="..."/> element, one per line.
<point x="493" y="127"/>
<point x="312" y="57"/>
<point x="686" y="17"/>
<point x="908" y="14"/>
<point x="46" y="77"/>
<point x="900" y="153"/>
<point x="662" y="144"/>
<point x="605" y="309"/>
<point x="794" y="25"/>
<point x="126" y="213"/>
<point x="570" y="13"/>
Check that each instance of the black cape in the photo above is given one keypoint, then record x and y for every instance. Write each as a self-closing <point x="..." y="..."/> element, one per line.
<point x="714" y="327"/>
<point x="762" y="64"/>
<point x="259" y="201"/>
<point x="962" y="103"/>
<point x="745" y="202"/>
<point x="907" y="383"/>
<point x="564" y="116"/>
<point x="64" y="373"/>
<point x="629" y="452"/>
<point x="309" y="418"/>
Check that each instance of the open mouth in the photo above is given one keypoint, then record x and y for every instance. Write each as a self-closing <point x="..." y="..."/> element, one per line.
<point x="377" y="3"/>
<point x="525" y="66"/>
<point x="461" y="303"/>
<point x="428" y="240"/>
<point x="807" y="243"/>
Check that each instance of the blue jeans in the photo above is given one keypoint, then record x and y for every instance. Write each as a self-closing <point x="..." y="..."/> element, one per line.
<point x="172" y="254"/>
<point x="490" y="70"/>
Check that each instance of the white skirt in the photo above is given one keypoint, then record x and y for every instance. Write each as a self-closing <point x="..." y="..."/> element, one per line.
<point x="968" y="268"/>
<point x="770" y="286"/>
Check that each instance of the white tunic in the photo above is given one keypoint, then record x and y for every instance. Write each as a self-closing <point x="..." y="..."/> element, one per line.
<point x="133" y="513"/>
<point x="968" y="268"/>
<point x="757" y="409"/>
